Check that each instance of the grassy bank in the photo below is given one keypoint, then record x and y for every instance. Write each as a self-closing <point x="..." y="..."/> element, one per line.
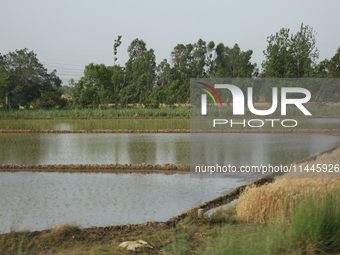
<point x="285" y="222"/>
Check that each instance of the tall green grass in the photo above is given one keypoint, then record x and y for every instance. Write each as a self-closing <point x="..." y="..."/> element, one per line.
<point x="316" y="111"/>
<point x="97" y="113"/>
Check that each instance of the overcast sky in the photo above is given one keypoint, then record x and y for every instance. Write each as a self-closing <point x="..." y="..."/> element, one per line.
<point x="68" y="35"/>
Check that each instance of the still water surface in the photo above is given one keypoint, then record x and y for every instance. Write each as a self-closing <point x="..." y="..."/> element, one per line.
<point x="36" y="201"/>
<point x="234" y="149"/>
<point x="257" y="149"/>
<point x="94" y="148"/>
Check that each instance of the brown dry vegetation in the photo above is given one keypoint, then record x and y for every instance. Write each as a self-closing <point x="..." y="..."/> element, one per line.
<point x="272" y="201"/>
<point x="266" y="203"/>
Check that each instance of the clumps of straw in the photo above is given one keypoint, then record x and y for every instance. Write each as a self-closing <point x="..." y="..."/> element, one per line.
<point x="271" y="202"/>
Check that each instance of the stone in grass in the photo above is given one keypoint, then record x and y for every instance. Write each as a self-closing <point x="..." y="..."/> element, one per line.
<point x="134" y="245"/>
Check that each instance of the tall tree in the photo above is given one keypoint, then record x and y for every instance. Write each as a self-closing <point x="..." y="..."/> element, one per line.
<point x="279" y="61"/>
<point x="27" y="82"/>
<point x="304" y="51"/>
<point x="97" y="86"/>
<point x="192" y="60"/>
<point x="210" y="58"/>
<point x="199" y="61"/>
<point x="329" y="91"/>
<point x="232" y="62"/>
<point x="334" y="65"/>
<point x="117" y="43"/>
<point x="140" y="73"/>
<point x="164" y="74"/>
<point x="181" y="58"/>
<point x="189" y="61"/>
<point x="291" y="55"/>
<point x="322" y="69"/>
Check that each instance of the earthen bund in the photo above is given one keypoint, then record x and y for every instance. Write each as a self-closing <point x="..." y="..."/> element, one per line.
<point x="128" y="131"/>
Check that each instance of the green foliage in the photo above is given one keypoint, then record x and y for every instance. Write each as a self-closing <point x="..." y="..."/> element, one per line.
<point x="223" y="216"/>
<point x="99" y="85"/>
<point x="334" y="65"/>
<point x="4" y="90"/>
<point x="232" y="62"/>
<point x="48" y="100"/>
<point x="180" y="244"/>
<point x="176" y="93"/>
<point x="304" y="51"/>
<point x="318" y="221"/>
<point x="290" y="56"/>
<point x="140" y="74"/>
<point x="116" y="45"/>
<point x="164" y="74"/>
<point x="23" y="80"/>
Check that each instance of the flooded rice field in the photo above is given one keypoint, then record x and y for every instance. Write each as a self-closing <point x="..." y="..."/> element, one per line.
<point x="36" y="201"/>
<point x="257" y="149"/>
<point x="39" y="149"/>
<point x="234" y="149"/>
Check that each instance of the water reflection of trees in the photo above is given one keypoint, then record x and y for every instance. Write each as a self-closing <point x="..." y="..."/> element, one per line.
<point x="256" y="149"/>
<point x="93" y="148"/>
<point x="141" y="149"/>
<point x="222" y="149"/>
<point x="173" y="148"/>
<point x="182" y="152"/>
<point x="20" y="149"/>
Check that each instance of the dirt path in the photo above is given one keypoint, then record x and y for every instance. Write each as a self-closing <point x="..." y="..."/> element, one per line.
<point x="102" y="168"/>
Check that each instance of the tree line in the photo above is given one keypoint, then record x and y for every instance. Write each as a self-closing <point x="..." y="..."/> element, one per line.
<point x="25" y="82"/>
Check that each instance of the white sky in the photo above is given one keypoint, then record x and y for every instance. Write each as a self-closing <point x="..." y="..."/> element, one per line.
<point x="68" y="35"/>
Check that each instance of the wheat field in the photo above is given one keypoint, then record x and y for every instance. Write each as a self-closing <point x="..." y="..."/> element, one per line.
<point x="273" y="201"/>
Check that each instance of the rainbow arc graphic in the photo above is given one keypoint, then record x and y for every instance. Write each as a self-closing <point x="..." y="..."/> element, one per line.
<point x="209" y="93"/>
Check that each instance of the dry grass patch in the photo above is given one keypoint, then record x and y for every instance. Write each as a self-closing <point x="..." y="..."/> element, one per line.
<point x="271" y="202"/>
